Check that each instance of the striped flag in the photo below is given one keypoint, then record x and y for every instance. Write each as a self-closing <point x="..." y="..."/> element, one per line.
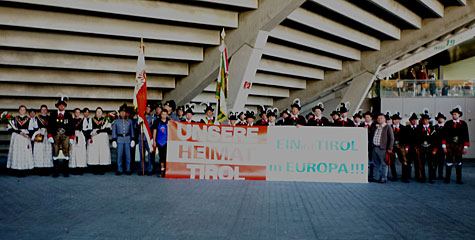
<point x="222" y="83"/>
<point x="140" y="94"/>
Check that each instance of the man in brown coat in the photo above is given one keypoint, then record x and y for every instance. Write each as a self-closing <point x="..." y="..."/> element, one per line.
<point x="381" y="137"/>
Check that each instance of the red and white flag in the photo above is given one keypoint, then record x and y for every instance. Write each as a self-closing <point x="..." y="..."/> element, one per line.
<point x="140" y="94"/>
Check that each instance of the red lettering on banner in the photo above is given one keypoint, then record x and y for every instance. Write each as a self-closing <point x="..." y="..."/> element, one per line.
<point x="215" y="171"/>
<point x="202" y="152"/>
<point x="198" y="132"/>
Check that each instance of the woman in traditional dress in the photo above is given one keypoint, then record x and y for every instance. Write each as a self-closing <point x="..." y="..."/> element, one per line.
<point x="42" y="149"/>
<point x="78" y="149"/>
<point x="20" y="156"/>
<point x="98" y="150"/>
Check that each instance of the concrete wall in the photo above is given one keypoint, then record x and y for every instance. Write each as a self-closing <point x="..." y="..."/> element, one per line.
<point x="460" y="70"/>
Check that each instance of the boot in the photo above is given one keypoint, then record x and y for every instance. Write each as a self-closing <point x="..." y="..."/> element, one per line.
<point x="371" y="171"/>
<point x="66" y="168"/>
<point x="458" y="172"/>
<point x="55" y="168"/>
<point x="448" y="172"/>
<point x="405" y="173"/>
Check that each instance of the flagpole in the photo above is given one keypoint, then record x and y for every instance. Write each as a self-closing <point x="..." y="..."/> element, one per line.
<point x="141" y="141"/>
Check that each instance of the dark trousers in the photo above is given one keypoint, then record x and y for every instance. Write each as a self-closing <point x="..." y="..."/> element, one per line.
<point x="398" y="152"/>
<point x="440" y="163"/>
<point x="454" y="156"/>
<point x="425" y="154"/>
<point x="411" y="157"/>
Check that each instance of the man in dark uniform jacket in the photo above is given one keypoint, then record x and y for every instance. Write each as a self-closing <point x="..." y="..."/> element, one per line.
<point x="263" y="115"/>
<point x="295" y="119"/>
<point x="284" y="115"/>
<point x="335" y="115"/>
<point x="344" y="121"/>
<point x="410" y="141"/>
<point x="357" y="119"/>
<point x="318" y="119"/>
<point x="189" y="113"/>
<point x="439" y="155"/>
<point x="425" y="151"/>
<point x="61" y="134"/>
<point x="455" y="142"/>
<point x="398" y="149"/>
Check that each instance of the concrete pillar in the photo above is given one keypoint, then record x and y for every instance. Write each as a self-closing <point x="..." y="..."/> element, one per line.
<point x="242" y="71"/>
<point x="358" y="90"/>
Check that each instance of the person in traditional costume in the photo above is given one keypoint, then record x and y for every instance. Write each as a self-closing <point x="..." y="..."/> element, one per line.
<point x="209" y="118"/>
<point x="439" y="155"/>
<point x="295" y="119"/>
<point x="98" y="150"/>
<point x="368" y="119"/>
<point x="398" y="149"/>
<point x="170" y="106"/>
<point x="189" y="113"/>
<point x="42" y="149"/>
<point x="241" y="119"/>
<point x="411" y="149"/>
<point x="263" y="116"/>
<point x="357" y="119"/>
<point x="61" y="135"/>
<point x="335" y="115"/>
<point x="318" y="119"/>
<point x="455" y="143"/>
<point x="20" y="156"/>
<point x="160" y="134"/>
<point x="250" y="118"/>
<point x="78" y="160"/>
<point x="148" y="156"/>
<point x="180" y="112"/>
<point x="272" y="116"/>
<point x="123" y="135"/>
<point x="283" y="115"/>
<point x="344" y="121"/>
<point x="232" y="117"/>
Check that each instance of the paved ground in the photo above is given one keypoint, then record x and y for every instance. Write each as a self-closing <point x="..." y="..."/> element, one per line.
<point x="135" y="207"/>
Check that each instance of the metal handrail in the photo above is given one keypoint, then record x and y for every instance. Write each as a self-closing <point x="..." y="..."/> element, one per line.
<point x="426" y="88"/>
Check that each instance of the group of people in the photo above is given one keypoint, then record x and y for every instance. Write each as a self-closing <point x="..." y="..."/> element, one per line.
<point x="84" y="142"/>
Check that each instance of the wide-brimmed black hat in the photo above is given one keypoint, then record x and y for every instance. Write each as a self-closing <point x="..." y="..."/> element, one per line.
<point x="285" y="111"/>
<point x="335" y="112"/>
<point x="149" y="104"/>
<point x="61" y="102"/>
<point x="250" y="114"/>
<point x="358" y="114"/>
<point x="387" y="116"/>
<point x="158" y="105"/>
<point x="413" y="117"/>
<point x="318" y="106"/>
<point x="368" y="113"/>
<point x="396" y="116"/>
<point x="233" y="115"/>
<point x="208" y="107"/>
<point x="130" y="110"/>
<point x="440" y="115"/>
<point x="272" y="112"/>
<point x="296" y="104"/>
<point x="171" y="103"/>
<point x="123" y="107"/>
<point x="180" y="108"/>
<point x="458" y="110"/>
<point x="189" y="108"/>
<point x="343" y="108"/>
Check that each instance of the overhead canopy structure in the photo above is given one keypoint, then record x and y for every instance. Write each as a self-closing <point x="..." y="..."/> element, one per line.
<point x="286" y="49"/>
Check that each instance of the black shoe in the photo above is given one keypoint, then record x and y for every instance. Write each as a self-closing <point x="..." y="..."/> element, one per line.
<point x="140" y="173"/>
<point x="404" y="180"/>
<point x="459" y="182"/>
<point x="118" y="173"/>
<point x="394" y="179"/>
<point x="440" y="178"/>
<point x="128" y="173"/>
<point x="66" y="174"/>
<point x="446" y="181"/>
<point x="431" y="181"/>
<point x="149" y="173"/>
<point x="382" y="181"/>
